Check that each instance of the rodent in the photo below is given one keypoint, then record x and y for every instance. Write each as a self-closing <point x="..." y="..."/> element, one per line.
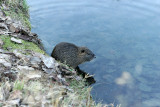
<point x="71" y="54"/>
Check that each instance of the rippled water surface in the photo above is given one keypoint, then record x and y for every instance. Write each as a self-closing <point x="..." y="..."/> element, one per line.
<point x="124" y="35"/>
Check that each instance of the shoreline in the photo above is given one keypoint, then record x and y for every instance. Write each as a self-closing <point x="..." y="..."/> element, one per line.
<point x="30" y="77"/>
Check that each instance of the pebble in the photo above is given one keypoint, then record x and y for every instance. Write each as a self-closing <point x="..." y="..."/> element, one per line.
<point x="48" y="61"/>
<point x="3" y="26"/>
<point x="25" y="68"/>
<point x="8" y="20"/>
<point x="12" y="27"/>
<point x="19" y="41"/>
<point x="1" y="42"/>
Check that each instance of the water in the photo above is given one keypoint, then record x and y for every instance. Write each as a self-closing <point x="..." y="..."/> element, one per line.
<point x="124" y="35"/>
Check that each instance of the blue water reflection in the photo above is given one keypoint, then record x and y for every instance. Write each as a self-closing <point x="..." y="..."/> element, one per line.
<point x="124" y="35"/>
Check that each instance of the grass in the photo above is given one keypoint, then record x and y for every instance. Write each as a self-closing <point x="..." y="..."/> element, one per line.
<point x="18" y="10"/>
<point x="81" y="96"/>
<point x="18" y="85"/>
<point x="24" y="46"/>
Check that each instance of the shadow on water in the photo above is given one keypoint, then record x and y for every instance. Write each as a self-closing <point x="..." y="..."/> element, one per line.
<point x="124" y="35"/>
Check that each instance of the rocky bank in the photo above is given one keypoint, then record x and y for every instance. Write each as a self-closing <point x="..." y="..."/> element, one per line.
<point x="30" y="78"/>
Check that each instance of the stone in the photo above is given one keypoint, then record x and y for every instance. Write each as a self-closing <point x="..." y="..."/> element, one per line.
<point x="17" y="94"/>
<point x="1" y="13"/>
<point x="2" y="51"/>
<point x="3" y="26"/>
<point x="5" y="7"/>
<point x="13" y="27"/>
<point x="13" y="103"/>
<point x="29" y="100"/>
<point x="5" y="63"/>
<point x="48" y="61"/>
<point x="33" y="76"/>
<point x="19" y="41"/>
<point x="2" y="19"/>
<point x="1" y="43"/>
<point x="25" y="68"/>
<point x="35" y="61"/>
<point x="8" y="20"/>
<point x="18" y="54"/>
<point x="5" y="57"/>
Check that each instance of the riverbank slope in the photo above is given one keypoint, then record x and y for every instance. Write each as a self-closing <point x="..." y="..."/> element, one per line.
<point x="28" y="76"/>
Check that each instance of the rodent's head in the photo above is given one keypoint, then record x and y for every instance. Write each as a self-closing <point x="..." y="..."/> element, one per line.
<point x="85" y="54"/>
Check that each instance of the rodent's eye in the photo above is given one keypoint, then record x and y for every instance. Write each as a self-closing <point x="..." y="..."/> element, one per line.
<point x="82" y="51"/>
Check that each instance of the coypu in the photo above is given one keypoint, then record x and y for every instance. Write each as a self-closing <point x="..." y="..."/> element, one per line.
<point x="71" y="54"/>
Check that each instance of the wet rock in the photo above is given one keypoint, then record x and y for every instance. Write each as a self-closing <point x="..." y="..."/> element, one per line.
<point x="19" y="41"/>
<point x="3" y="26"/>
<point x="48" y="61"/>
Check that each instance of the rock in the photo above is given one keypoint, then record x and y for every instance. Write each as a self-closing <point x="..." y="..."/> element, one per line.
<point x="17" y="94"/>
<point x="3" y="26"/>
<point x="33" y="76"/>
<point x="49" y="71"/>
<point x="14" y="35"/>
<point x="25" y="68"/>
<point x="19" y="41"/>
<point x="8" y="20"/>
<point x="5" y="63"/>
<point x="1" y="13"/>
<point x="35" y="61"/>
<point x="2" y="19"/>
<point x="13" y="27"/>
<point x="5" y="56"/>
<point x="1" y="51"/>
<point x="1" y="43"/>
<point x="29" y="100"/>
<point x="48" y="61"/>
<point x="5" y="7"/>
<point x="13" y="103"/>
<point x="17" y="54"/>
<point x="5" y="60"/>
<point x="4" y="91"/>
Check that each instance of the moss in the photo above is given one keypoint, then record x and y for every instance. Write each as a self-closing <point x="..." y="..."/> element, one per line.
<point x="24" y="46"/>
<point x="18" y="10"/>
